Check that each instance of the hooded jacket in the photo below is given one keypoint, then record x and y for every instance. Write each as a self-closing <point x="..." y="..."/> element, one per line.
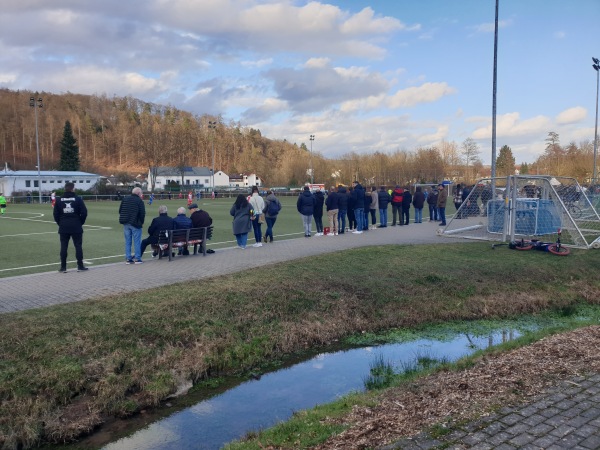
<point x="306" y="204"/>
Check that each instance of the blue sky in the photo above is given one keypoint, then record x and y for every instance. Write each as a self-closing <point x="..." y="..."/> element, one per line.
<point x="361" y="76"/>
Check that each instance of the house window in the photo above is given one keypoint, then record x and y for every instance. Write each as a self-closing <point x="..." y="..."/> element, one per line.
<point x="187" y="182"/>
<point x="87" y="181"/>
<point x="44" y="181"/>
<point x="35" y="183"/>
<point x="206" y="181"/>
<point x="27" y="183"/>
<point x="51" y="181"/>
<point x="59" y="181"/>
<point x="81" y="181"/>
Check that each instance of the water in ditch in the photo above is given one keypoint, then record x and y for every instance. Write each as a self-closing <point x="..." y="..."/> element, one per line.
<point x="261" y="403"/>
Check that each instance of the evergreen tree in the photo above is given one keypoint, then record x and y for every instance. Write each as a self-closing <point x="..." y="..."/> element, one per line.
<point x="524" y="169"/>
<point x="69" y="150"/>
<point x="505" y="163"/>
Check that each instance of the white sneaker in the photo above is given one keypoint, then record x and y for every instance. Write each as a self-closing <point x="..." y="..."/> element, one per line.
<point x="357" y="232"/>
<point x="336" y="234"/>
<point x="257" y="245"/>
<point x="331" y="234"/>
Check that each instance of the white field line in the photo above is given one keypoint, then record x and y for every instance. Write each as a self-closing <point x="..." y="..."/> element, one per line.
<point x="90" y="261"/>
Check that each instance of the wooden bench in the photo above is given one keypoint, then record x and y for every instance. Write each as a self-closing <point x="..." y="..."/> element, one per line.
<point x="170" y="239"/>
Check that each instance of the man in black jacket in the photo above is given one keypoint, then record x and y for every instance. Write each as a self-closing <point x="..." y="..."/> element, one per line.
<point x="162" y="222"/>
<point x="70" y="214"/>
<point x="132" y="213"/>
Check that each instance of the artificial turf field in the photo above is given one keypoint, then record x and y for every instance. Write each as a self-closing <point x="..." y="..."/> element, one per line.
<point x="29" y="239"/>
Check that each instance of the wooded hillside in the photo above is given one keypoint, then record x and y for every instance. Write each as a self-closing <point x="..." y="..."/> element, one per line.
<point x="125" y="135"/>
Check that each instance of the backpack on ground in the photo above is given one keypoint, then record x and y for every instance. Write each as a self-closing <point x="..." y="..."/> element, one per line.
<point x="273" y="208"/>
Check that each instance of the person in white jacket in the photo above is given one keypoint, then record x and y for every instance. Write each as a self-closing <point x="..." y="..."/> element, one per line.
<point x="257" y="204"/>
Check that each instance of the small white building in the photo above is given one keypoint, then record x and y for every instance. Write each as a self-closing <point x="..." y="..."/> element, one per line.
<point x="192" y="178"/>
<point x="244" y="180"/>
<point x="13" y="182"/>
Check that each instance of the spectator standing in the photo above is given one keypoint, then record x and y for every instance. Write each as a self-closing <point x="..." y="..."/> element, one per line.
<point x="396" y="197"/>
<point x="374" y="206"/>
<point x="441" y="204"/>
<point x="406" y="201"/>
<point x="258" y="205"/>
<point x="271" y="211"/>
<point x="432" y="203"/>
<point x="343" y="208"/>
<point x="70" y="214"/>
<point x="358" y="195"/>
<point x="383" y="200"/>
<point x="366" y="210"/>
<point x="418" y="203"/>
<point x="3" y="203"/>
<point x="242" y="220"/>
<point x="318" y="213"/>
<point x="162" y="222"/>
<point x="132" y="213"/>
<point x="333" y="207"/>
<point x="306" y="207"/>
<point x="458" y="200"/>
<point x="351" y="216"/>
<point x="182" y="222"/>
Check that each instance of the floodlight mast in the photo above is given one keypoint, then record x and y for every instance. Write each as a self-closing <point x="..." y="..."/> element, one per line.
<point x="596" y="67"/>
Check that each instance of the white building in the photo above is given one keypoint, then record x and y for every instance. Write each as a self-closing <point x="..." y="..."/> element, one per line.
<point x="244" y="180"/>
<point x="22" y="181"/>
<point x="193" y="178"/>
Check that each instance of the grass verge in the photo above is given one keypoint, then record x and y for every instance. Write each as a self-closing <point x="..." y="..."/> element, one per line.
<point x="64" y="369"/>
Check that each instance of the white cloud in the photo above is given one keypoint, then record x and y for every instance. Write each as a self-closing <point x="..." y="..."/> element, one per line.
<point x="572" y="115"/>
<point x="490" y="27"/>
<point x="511" y="125"/>
<point x="426" y="93"/>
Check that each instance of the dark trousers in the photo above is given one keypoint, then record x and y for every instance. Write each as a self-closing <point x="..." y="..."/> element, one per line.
<point x="64" y="245"/>
<point x="396" y="212"/>
<point x="351" y="219"/>
<point x="433" y="212"/>
<point x="405" y="219"/>
<point x="150" y="240"/>
<point x="318" y="223"/>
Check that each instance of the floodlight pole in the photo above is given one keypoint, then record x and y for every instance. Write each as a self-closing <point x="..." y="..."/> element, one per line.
<point x="312" y="177"/>
<point x="213" y="125"/>
<point x="596" y="67"/>
<point x="494" y="89"/>
<point x="32" y="103"/>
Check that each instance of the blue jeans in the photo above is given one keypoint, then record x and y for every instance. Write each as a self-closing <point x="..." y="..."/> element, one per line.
<point x="359" y="215"/>
<point x="241" y="239"/>
<point x="257" y="230"/>
<point x="134" y="234"/>
<point x="383" y="217"/>
<point x="307" y="223"/>
<point x="342" y="220"/>
<point x="270" y="223"/>
<point x="418" y="215"/>
<point x="442" y="215"/>
<point x="433" y="212"/>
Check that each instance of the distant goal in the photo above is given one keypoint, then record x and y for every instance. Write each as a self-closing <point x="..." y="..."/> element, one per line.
<point x="529" y="207"/>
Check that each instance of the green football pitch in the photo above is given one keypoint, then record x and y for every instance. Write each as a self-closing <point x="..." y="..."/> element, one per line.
<point x="30" y="242"/>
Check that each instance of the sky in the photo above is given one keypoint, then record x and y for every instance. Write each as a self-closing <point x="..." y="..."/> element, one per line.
<point x="363" y="77"/>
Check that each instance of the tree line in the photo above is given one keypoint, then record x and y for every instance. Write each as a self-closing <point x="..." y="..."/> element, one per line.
<point x="125" y="136"/>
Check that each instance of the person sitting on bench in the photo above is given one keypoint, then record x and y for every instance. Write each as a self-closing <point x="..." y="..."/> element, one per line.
<point x="162" y="222"/>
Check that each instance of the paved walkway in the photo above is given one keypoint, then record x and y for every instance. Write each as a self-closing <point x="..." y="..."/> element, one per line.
<point x="51" y="288"/>
<point x="565" y="417"/>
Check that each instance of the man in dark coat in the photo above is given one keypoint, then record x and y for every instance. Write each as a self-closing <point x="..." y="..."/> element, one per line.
<point x="384" y="200"/>
<point x="162" y="222"/>
<point x="358" y="195"/>
<point x="132" y="213"/>
<point x="306" y="207"/>
<point x="406" y="201"/>
<point x="70" y="214"/>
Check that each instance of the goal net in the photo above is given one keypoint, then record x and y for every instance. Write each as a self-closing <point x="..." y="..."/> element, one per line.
<point x="526" y="207"/>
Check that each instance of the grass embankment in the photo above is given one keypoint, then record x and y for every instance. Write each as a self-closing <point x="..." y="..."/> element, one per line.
<point x="64" y="369"/>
